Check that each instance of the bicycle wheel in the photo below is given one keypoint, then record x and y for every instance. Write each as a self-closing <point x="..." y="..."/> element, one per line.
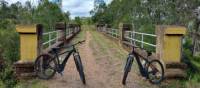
<point x="155" y="71"/>
<point x="79" y="67"/>
<point x="127" y="69"/>
<point x="45" y="66"/>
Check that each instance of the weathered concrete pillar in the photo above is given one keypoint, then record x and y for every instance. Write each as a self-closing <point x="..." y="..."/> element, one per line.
<point x="30" y="48"/>
<point x="169" y="42"/>
<point x="169" y="48"/>
<point x="79" y="28"/>
<point x="101" y="27"/>
<point x="61" y="26"/>
<point x="122" y="29"/>
<point x="108" y="26"/>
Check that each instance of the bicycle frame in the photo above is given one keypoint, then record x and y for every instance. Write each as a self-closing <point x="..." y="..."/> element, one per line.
<point x="137" y="57"/>
<point x="60" y="66"/>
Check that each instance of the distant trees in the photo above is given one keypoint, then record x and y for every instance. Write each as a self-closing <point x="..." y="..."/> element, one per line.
<point x="45" y="13"/>
<point x="98" y="13"/>
<point x="142" y="12"/>
<point x="78" y="20"/>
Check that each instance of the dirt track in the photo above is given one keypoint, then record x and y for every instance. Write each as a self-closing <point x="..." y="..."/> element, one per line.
<point x="103" y="69"/>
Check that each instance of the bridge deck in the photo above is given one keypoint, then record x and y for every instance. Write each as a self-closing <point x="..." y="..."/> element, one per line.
<point x="103" y="62"/>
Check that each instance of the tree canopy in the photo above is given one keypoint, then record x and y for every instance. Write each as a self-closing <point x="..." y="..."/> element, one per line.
<point x="145" y="12"/>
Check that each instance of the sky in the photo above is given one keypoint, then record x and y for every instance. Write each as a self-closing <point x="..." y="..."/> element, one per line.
<point x="75" y="7"/>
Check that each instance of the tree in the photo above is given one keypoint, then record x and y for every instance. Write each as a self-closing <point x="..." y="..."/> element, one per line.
<point x="78" y="20"/>
<point x="49" y="13"/>
<point x="67" y="16"/>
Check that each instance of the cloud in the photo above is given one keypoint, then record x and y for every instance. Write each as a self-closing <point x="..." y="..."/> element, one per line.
<point x="14" y="1"/>
<point x="78" y="7"/>
<point x="75" y="7"/>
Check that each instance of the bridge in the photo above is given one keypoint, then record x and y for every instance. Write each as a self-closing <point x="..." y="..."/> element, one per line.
<point x="101" y="40"/>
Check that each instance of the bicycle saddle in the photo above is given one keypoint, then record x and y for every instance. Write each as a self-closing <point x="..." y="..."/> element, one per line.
<point x="55" y="48"/>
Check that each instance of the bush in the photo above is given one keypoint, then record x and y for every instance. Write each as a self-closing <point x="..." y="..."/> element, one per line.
<point x="9" y="53"/>
<point x="9" y="45"/>
<point x="7" y="77"/>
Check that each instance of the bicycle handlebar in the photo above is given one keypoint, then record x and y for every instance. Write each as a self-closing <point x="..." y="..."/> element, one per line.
<point x="80" y="42"/>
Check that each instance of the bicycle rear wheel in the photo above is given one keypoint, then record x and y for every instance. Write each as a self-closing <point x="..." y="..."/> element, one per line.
<point x="45" y="66"/>
<point x="127" y="69"/>
<point x="79" y="67"/>
<point x="155" y="71"/>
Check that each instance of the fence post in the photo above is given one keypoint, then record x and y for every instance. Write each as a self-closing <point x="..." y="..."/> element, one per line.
<point x="142" y="45"/>
<point x="49" y="39"/>
<point x="132" y="37"/>
<point x="30" y="48"/>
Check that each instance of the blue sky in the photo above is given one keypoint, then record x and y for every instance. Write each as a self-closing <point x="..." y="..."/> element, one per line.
<point x="76" y="7"/>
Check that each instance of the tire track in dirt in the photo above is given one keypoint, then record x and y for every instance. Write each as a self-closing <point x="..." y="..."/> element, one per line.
<point x="101" y="70"/>
<point x="95" y="76"/>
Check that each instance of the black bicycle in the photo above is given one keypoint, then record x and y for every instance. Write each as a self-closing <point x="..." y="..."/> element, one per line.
<point x="46" y="65"/>
<point x="151" y="69"/>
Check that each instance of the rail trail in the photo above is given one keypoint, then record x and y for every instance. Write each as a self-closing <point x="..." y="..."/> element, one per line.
<point x="103" y="62"/>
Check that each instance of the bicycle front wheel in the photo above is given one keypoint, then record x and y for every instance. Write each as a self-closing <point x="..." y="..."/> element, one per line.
<point x="127" y="69"/>
<point x="155" y="71"/>
<point x="45" y="66"/>
<point x="79" y="67"/>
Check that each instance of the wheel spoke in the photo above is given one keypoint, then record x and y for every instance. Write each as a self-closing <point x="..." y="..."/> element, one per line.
<point x="45" y="66"/>
<point x="155" y="71"/>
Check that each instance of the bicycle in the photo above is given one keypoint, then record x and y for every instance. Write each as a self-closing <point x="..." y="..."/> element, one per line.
<point x="47" y="65"/>
<point x="152" y="70"/>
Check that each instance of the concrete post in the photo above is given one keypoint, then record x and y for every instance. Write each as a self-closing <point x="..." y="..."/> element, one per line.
<point x="30" y="48"/>
<point x="61" y="26"/>
<point x="169" y="50"/>
<point x="123" y="28"/>
<point x="169" y="42"/>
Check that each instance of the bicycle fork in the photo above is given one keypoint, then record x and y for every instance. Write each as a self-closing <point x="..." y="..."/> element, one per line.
<point x="76" y="58"/>
<point x="129" y="59"/>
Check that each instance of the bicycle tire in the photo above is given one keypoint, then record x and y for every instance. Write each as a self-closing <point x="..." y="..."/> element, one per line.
<point x="127" y="69"/>
<point x="40" y="74"/>
<point x="79" y="67"/>
<point x="162" y="72"/>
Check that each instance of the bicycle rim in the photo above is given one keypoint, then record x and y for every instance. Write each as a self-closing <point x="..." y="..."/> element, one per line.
<point x="44" y="66"/>
<point x="155" y="72"/>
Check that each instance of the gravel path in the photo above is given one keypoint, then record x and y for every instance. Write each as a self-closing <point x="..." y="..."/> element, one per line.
<point x="103" y="69"/>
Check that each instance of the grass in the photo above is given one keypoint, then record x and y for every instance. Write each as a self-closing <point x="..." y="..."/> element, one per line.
<point x="107" y="45"/>
<point x="30" y="84"/>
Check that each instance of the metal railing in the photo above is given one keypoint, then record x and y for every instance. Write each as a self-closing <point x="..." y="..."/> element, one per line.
<point x="69" y="31"/>
<point x="132" y="36"/>
<point x="112" y="32"/>
<point x="52" y="37"/>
